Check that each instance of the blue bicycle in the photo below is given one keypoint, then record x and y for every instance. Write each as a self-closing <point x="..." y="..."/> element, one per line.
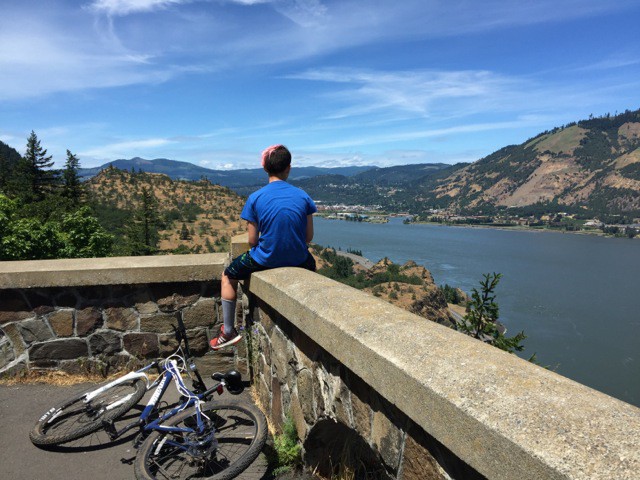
<point x="215" y="440"/>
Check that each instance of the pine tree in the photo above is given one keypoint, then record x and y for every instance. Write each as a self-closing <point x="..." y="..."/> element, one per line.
<point x="37" y="180"/>
<point x="184" y="232"/>
<point x="481" y="319"/>
<point x="72" y="187"/>
<point x="142" y="233"/>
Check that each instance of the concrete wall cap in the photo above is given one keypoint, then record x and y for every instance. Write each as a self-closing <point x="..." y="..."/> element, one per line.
<point x="111" y="270"/>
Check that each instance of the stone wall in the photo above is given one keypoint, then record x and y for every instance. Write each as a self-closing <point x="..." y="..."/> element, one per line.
<point x="412" y="399"/>
<point x="344" y="423"/>
<point x="91" y="327"/>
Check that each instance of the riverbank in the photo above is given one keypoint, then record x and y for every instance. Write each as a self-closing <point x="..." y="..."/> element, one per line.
<point x="524" y="228"/>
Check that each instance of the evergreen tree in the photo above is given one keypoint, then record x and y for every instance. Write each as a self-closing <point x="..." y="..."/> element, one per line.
<point x="184" y="232"/>
<point x="72" y="187"/>
<point x="481" y="319"/>
<point x="36" y="178"/>
<point x="142" y="233"/>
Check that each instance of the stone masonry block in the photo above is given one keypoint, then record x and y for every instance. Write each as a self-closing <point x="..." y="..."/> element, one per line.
<point x="202" y="314"/>
<point x="361" y="414"/>
<point x="306" y="395"/>
<point x="417" y="461"/>
<point x="66" y="349"/>
<point x="264" y="396"/>
<point x="147" y="307"/>
<point x="298" y="416"/>
<point x="198" y="342"/>
<point x="7" y="354"/>
<point x="220" y="361"/>
<point x="266" y="317"/>
<point x="175" y="302"/>
<point x="277" y="413"/>
<point x="387" y="439"/>
<point x="264" y="345"/>
<point x="61" y="322"/>
<point x="11" y="316"/>
<point x="159" y="323"/>
<point x="87" y="320"/>
<point x="306" y="350"/>
<point x="167" y="344"/>
<point x="282" y="356"/>
<point x="121" y="319"/>
<point x="141" y="344"/>
<point x="105" y="342"/>
<point x="12" y="332"/>
<point x="34" y="330"/>
<point x="342" y="404"/>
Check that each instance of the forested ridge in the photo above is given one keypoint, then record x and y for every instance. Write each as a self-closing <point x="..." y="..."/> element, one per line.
<point x="49" y="213"/>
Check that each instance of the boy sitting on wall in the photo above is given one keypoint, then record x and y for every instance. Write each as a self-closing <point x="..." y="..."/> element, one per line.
<point x="280" y="223"/>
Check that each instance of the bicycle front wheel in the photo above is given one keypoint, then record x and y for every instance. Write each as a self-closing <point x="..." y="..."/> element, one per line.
<point x="76" y="417"/>
<point x="235" y="436"/>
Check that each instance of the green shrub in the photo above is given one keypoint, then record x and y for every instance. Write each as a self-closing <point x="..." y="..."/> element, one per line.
<point x="287" y="448"/>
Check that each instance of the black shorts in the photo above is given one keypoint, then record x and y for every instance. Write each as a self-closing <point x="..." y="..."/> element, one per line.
<point x="244" y="265"/>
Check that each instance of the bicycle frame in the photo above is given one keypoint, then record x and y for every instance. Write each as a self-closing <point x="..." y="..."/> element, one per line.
<point x="169" y="372"/>
<point x="161" y="384"/>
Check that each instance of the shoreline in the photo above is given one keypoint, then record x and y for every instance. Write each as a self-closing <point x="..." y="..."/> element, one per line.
<point x="517" y="228"/>
<point x="520" y="228"/>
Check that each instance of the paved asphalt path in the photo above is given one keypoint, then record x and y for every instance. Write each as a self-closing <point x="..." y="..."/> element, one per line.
<point x="91" y="458"/>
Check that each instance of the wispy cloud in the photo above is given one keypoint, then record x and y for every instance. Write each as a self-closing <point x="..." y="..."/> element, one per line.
<point x="421" y="93"/>
<point x="126" y="7"/>
<point x="407" y="135"/>
<point x="126" y="148"/>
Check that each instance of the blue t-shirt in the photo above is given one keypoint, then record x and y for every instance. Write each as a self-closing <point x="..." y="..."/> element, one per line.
<point x="280" y="211"/>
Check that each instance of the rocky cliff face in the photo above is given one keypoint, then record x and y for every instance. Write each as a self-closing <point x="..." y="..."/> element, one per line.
<point x="409" y="286"/>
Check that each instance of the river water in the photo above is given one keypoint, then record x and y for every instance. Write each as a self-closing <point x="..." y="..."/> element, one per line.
<point x="575" y="296"/>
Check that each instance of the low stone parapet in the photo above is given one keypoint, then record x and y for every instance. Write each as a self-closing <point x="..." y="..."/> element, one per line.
<point x="428" y="401"/>
<point x="99" y="314"/>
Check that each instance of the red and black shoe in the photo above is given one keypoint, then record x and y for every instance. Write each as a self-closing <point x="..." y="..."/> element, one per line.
<point x="225" y="340"/>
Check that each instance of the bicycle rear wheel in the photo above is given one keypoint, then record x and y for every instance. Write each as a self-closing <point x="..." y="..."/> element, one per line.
<point x="76" y="418"/>
<point x="222" y="453"/>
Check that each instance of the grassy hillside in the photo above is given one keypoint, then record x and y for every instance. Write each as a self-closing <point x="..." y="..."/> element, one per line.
<point x="210" y="213"/>
<point x="590" y="166"/>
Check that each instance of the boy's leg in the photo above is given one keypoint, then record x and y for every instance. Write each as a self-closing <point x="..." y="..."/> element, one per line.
<point x="229" y="296"/>
<point x="240" y="269"/>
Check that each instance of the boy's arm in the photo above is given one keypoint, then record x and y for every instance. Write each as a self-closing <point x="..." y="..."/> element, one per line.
<point x="252" y="228"/>
<point x="309" y="228"/>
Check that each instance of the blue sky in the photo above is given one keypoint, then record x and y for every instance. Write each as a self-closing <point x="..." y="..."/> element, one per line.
<point x="340" y="82"/>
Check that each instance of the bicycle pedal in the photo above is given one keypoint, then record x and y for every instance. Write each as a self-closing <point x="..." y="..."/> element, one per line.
<point x="110" y="427"/>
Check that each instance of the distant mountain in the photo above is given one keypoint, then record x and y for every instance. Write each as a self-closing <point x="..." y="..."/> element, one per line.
<point x="591" y="166"/>
<point x="177" y="170"/>
<point x="399" y="174"/>
<point x="378" y="186"/>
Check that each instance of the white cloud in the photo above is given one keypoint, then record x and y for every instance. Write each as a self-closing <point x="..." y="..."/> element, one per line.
<point x="418" y="93"/>
<point x="127" y="7"/>
<point x="126" y="149"/>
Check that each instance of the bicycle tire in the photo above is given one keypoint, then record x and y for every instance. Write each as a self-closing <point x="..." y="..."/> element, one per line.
<point x="72" y="419"/>
<point x="240" y="430"/>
